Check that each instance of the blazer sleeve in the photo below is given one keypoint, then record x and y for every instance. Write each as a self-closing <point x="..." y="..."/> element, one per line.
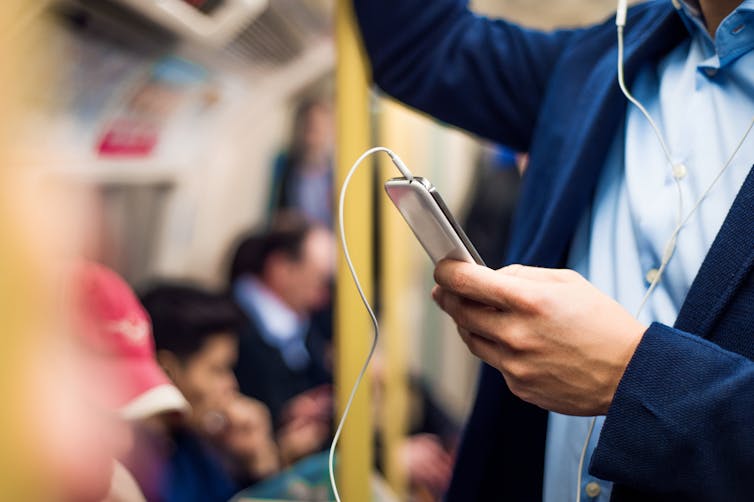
<point x="486" y="76"/>
<point x="682" y="421"/>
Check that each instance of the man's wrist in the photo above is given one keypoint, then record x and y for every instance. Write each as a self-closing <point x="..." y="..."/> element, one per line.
<point x="633" y="335"/>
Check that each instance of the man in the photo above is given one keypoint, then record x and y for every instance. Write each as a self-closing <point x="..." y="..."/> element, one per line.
<point x="676" y="384"/>
<point x="226" y="442"/>
<point x="279" y="278"/>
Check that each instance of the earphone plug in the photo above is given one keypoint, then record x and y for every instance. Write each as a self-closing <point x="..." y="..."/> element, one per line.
<point x="401" y="166"/>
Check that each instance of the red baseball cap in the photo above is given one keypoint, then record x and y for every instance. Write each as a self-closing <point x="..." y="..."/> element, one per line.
<point x="118" y="330"/>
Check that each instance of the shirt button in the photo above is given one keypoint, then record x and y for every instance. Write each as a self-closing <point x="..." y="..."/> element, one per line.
<point x="711" y="72"/>
<point x="651" y="275"/>
<point x="680" y="171"/>
<point x="593" y="490"/>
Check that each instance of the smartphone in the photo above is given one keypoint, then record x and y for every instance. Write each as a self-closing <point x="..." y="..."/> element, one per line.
<point x="434" y="226"/>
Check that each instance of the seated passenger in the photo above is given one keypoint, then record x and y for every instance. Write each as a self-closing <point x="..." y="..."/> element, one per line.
<point x="279" y="278"/>
<point x="226" y="442"/>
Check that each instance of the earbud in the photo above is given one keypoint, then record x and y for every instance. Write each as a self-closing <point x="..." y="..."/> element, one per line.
<point x="620" y="16"/>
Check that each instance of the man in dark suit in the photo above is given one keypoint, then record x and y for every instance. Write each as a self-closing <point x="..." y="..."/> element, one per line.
<point x="280" y="277"/>
<point x="654" y="334"/>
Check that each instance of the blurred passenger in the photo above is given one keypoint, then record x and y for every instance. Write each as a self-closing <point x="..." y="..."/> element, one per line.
<point x="278" y="278"/>
<point x="302" y="178"/>
<point x="116" y="337"/>
<point x="493" y="200"/>
<point x="226" y="443"/>
<point x="426" y="454"/>
<point x="119" y="332"/>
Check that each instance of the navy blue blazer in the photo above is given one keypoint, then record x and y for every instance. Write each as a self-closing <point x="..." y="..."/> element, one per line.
<point x="681" y="425"/>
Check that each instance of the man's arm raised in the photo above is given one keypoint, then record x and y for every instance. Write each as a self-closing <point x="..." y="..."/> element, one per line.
<point x="486" y="76"/>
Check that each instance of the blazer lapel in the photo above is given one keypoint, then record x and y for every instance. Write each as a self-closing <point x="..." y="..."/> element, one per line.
<point x="729" y="261"/>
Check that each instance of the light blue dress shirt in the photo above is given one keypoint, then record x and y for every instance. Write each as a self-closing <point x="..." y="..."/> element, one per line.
<point x="702" y="98"/>
<point x="278" y="325"/>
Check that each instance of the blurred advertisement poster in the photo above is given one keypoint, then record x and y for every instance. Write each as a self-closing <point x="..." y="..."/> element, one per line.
<point x="137" y="126"/>
<point x="206" y="6"/>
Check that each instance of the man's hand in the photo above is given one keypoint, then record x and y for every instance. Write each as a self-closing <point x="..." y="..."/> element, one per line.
<point x="300" y="438"/>
<point x="426" y="461"/>
<point x="305" y="423"/>
<point x="560" y="343"/>
<point x="248" y="437"/>
<point x="313" y="404"/>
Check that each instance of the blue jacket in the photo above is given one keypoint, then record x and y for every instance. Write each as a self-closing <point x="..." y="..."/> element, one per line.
<point x="681" y="426"/>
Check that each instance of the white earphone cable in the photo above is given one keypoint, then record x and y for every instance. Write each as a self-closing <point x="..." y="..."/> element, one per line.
<point x="636" y="102"/>
<point x="407" y="174"/>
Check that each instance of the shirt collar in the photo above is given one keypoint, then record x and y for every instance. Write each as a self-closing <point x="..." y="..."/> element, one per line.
<point x="734" y="36"/>
<point x="278" y="319"/>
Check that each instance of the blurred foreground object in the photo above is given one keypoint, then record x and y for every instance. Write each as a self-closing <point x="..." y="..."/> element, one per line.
<point x="50" y="445"/>
<point x="20" y="332"/>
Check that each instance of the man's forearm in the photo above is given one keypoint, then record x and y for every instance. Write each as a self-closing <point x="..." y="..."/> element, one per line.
<point x="485" y="76"/>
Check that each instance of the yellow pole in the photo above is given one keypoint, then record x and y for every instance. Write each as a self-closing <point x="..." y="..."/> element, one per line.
<point x="353" y="330"/>
<point x="396" y="279"/>
<point x="24" y="305"/>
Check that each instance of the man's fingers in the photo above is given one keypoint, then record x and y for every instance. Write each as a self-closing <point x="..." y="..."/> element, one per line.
<point x="475" y="317"/>
<point x="501" y="290"/>
<point x="537" y="273"/>
<point x="488" y="351"/>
